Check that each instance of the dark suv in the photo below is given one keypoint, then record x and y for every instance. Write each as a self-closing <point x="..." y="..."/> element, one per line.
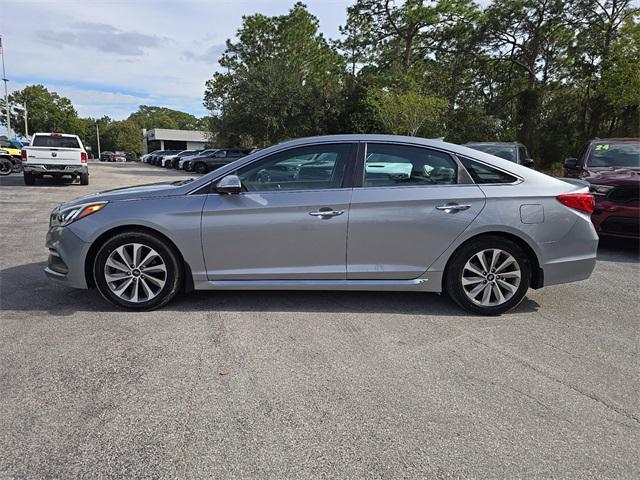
<point x="205" y="164"/>
<point x="513" y="151"/>
<point x="611" y="166"/>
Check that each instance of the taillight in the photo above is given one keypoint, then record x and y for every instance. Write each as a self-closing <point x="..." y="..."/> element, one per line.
<point x="83" y="157"/>
<point x="579" y="201"/>
<point x="23" y="155"/>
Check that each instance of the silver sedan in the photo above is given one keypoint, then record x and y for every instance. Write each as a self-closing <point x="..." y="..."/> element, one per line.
<point x="349" y="212"/>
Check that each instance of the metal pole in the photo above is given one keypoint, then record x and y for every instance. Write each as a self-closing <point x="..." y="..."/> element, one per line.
<point x="98" y="137"/>
<point x="26" y="124"/>
<point x="6" y="91"/>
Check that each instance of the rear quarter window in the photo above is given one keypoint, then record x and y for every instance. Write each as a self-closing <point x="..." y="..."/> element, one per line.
<point x="55" y="142"/>
<point x="484" y="174"/>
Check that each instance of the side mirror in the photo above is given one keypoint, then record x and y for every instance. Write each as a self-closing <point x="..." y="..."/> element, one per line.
<point x="528" y="162"/>
<point x="229" y="185"/>
<point x="571" y="163"/>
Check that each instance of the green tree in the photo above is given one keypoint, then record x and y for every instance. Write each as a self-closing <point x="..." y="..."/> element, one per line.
<point x="47" y="111"/>
<point x="123" y="135"/>
<point x="282" y="80"/>
<point x="407" y="112"/>
<point x="161" y="117"/>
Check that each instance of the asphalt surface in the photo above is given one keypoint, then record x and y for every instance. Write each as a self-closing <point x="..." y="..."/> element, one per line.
<point x="308" y="384"/>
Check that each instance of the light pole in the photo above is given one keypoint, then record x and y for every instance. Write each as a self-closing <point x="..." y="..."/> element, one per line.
<point x="6" y="91"/>
<point x="26" y="124"/>
<point x="98" y="137"/>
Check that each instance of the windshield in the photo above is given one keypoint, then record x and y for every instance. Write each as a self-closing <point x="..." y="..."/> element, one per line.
<point x="508" y="152"/>
<point x="615" y="155"/>
<point x="55" y="141"/>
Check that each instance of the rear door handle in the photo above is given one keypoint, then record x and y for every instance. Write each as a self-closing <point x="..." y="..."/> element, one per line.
<point x="452" y="207"/>
<point x="326" y="213"/>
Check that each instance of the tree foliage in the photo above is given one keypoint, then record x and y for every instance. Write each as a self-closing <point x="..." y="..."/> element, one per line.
<point x="47" y="111"/>
<point x="550" y="73"/>
<point x="282" y="79"/>
<point x="407" y="112"/>
<point x="161" y="117"/>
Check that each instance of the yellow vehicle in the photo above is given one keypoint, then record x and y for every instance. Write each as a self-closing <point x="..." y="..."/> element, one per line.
<point x="10" y="148"/>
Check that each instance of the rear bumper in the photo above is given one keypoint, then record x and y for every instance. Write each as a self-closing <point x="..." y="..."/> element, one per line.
<point x="66" y="258"/>
<point x="52" y="169"/>
<point x="573" y="257"/>
<point x="616" y="220"/>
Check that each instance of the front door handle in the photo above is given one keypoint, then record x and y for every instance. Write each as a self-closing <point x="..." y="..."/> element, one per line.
<point x="452" y="207"/>
<point x="326" y="212"/>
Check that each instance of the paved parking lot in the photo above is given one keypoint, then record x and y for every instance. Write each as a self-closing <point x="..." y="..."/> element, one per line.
<point x="308" y="384"/>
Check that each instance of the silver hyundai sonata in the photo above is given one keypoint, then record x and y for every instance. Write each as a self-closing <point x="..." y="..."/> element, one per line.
<point x="349" y="212"/>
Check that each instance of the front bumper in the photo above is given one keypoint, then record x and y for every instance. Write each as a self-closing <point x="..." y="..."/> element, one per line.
<point x="52" y="169"/>
<point x="67" y="255"/>
<point x="615" y="219"/>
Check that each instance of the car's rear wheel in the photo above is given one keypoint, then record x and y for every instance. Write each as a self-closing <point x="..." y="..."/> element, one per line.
<point x="84" y="179"/>
<point x="138" y="271"/>
<point x="489" y="275"/>
<point x="200" y="168"/>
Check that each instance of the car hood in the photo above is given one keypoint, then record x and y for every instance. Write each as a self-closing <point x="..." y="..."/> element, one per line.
<point x="614" y="176"/>
<point x="138" y="192"/>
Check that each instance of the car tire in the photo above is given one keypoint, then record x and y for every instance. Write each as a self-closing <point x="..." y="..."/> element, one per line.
<point x="200" y="168"/>
<point x="84" y="179"/>
<point x="488" y="275"/>
<point x="150" y="295"/>
<point x="29" y="179"/>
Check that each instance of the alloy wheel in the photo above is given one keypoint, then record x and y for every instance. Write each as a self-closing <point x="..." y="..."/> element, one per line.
<point x="135" y="272"/>
<point x="491" y="277"/>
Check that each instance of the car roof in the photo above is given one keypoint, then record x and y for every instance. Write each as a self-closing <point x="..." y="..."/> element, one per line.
<point x="625" y="139"/>
<point x="494" y="143"/>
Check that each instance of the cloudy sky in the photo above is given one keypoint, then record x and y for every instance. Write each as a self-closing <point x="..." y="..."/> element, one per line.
<point x="109" y="56"/>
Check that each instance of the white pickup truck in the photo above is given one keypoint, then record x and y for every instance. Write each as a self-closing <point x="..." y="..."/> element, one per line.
<point x="55" y="155"/>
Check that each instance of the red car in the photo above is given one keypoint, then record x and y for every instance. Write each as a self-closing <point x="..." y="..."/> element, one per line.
<point x="611" y="166"/>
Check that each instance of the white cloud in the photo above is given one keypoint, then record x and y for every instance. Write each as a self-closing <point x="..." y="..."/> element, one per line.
<point x="109" y="56"/>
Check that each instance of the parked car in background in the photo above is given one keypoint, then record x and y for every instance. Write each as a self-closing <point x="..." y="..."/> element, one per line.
<point x="421" y="215"/>
<point x="212" y="161"/>
<point x="611" y="166"/>
<point x="106" y="156"/>
<point x="513" y="151"/>
<point x="157" y="159"/>
<point x="169" y="161"/>
<point x="55" y="155"/>
<point x="131" y="156"/>
<point x="146" y="156"/>
<point x="186" y="162"/>
<point x="11" y="148"/>
<point x="150" y="159"/>
<point x="118" y="157"/>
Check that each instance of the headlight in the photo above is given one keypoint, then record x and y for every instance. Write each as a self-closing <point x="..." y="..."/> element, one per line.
<point x="600" y="189"/>
<point x="61" y="217"/>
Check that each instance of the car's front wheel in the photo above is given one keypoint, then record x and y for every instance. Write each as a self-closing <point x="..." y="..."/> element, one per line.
<point x="138" y="271"/>
<point x="489" y="275"/>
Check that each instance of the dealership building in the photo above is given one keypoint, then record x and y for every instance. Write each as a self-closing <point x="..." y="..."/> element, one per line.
<point x="167" y="139"/>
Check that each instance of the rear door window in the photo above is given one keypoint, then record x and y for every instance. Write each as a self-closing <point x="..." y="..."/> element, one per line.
<point x="482" y="173"/>
<point x="389" y="165"/>
<point x="55" y="141"/>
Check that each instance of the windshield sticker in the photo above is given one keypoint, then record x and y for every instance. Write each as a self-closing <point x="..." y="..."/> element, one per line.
<point x="602" y="146"/>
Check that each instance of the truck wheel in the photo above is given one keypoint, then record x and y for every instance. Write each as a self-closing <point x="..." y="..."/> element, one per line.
<point x="138" y="271"/>
<point x="84" y="179"/>
<point x="29" y="179"/>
